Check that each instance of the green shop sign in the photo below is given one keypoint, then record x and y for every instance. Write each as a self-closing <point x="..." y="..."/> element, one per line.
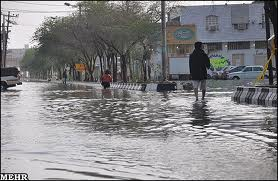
<point x="183" y="34"/>
<point x="218" y="61"/>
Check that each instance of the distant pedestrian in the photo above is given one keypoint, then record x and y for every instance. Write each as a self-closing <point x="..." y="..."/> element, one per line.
<point x="65" y="76"/>
<point x="198" y="65"/>
<point x="106" y="79"/>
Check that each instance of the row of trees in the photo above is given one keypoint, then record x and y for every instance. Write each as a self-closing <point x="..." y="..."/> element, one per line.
<point x="102" y="31"/>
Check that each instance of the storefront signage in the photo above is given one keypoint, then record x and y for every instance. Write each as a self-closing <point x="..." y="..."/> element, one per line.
<point x="185" y="34"/>
<point x="80" y="67"/>
<point x="218" y="61"/>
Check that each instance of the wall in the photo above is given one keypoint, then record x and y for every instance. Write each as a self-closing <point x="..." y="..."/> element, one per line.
<point x="197" y="15"/>
<point x="14" y="56"/>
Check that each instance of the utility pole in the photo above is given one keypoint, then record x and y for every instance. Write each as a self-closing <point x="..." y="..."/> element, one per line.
<point x="6" y="41"/>
<point x="79" y="6"/>
<point x="267" y="30"/>
<point x="163" y="47"/>
<point x="6" y="37"/>
<point x="3" y="40"/>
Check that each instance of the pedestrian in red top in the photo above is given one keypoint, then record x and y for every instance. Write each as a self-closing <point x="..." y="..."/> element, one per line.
<point x="106" y="79"/>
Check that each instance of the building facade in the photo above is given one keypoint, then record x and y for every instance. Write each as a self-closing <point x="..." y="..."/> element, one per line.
<point x="232" y="34"/>
<point x="14" y="56"/>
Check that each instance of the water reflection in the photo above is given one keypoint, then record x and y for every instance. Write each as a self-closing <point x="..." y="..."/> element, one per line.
<point x="165" y="96"/>
<point x="106" y="93"/>
<point x="200" y="113"/>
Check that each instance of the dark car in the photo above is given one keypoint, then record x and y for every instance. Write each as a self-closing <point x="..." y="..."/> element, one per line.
<point x="10" y="77"/>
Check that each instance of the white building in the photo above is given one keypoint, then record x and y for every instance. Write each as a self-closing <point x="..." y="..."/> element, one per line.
<point x="14" y="56"/>
<point x="235" y="32"/>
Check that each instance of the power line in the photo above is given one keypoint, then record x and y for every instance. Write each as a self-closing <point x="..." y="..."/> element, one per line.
<point x="26" y="25"/>
<point x="36" y="3"/>
<point x="31" y="11"/>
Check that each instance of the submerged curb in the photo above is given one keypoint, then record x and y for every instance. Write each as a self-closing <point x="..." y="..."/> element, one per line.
<point x="146" y="87"/>
<point x="266" y="96"/>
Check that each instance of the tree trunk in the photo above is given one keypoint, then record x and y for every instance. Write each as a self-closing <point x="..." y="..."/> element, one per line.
<point x="108" y="57"/>
<point x="130" y="68"/>
<point x="100" y="63"/>
<point x="124" y="67"/>
<point x="144" y="63"/>
<point x="114" y="62"/>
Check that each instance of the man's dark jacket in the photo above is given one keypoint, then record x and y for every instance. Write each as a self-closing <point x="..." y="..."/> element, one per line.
<point x="198" y="64"/>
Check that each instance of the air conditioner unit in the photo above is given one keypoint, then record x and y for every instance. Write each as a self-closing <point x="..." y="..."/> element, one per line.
<point x="241" y="26"/>
<point x="212" y="28"/>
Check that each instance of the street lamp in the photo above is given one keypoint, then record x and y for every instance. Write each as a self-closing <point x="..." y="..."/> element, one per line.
<point x="67" y="4"/>
<point x="79" y="5"/>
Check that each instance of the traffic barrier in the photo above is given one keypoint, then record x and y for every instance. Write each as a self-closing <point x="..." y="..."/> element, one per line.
<point x="145" y="87"/>
<point x="256" y="95"/>
<point x="243" y="95"/>
<point x="268" y="100"/>
<point x="251" y="92"/>
<point x="237" y="94"/>
<point x="274" y="100"/>
<point x="262" y="96"/>
<point x="132" y="86"/>
<point x="151" y="87"/>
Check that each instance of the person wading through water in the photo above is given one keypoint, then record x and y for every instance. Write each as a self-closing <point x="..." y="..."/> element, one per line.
<point x="65" y="76"/>
<point x="106" y="79"/>
<point x="198" y="65"/>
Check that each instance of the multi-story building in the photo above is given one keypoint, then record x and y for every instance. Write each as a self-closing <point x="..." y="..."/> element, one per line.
<point x="232" y="34"/>
<point x="14" y="56"/>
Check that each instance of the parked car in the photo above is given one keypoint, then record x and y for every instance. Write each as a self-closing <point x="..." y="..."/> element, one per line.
<point x="10" y="77"/>
<point x="235" y="69"/>
<point x="248" y="72"/>
<point x="211" y="73"/>
<point x="221" y="74"/>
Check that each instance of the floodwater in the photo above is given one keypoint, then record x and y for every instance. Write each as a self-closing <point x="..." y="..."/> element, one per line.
<point x="53" y="131"/>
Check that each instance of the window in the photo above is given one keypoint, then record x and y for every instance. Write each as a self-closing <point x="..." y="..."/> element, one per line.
<point x="171" y="49"/>
<point x="241" y="26"/>
<point x="238" y="45"/>
<point x="257" y="68"/>
<point x="177" y="50"/>
<point x="214" y="46"/>
<point x="260" y="44"/>
<point x="180" y="50"/>
<point x="247" y="69"/>
<point x="177" y="19"/>
<point x="212" y="23"/>
<point x="238" y="59"/>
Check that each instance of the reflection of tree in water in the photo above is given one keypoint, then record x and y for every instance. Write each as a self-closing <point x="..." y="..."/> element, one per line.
<point x="111" y="111"/>
<point x="200" y="113"/>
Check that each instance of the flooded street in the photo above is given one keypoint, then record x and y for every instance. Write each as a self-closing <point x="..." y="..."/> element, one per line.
<point x="52" y="131"/>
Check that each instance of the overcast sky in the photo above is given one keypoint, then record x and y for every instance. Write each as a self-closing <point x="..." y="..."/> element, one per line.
<point x="31" y="14"/>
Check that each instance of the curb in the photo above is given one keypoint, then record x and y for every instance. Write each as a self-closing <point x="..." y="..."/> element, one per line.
<point x="256" y="95"/>
<point x="128" y="86"/>
<point x="145" y="87"/>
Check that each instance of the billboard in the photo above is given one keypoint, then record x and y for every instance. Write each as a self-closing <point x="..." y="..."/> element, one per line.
<point x="80" y="67"/>
<point x="185" y="34"/>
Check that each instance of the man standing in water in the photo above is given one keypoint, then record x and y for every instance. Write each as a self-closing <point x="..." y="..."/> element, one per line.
<point x="198" y="65"/>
